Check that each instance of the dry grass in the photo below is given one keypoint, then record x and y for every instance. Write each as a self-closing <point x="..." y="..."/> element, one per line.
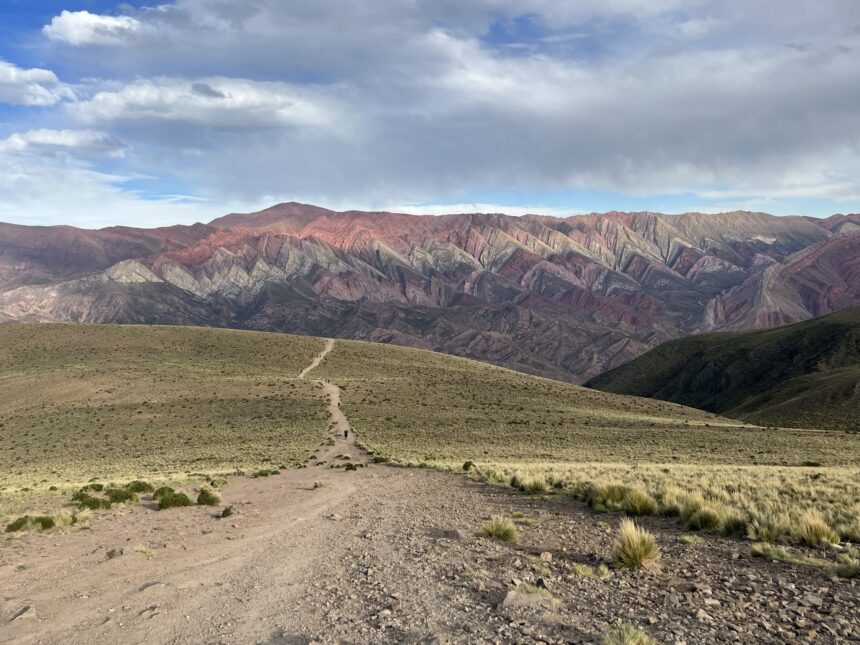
<point x="626" y="635"/>
<point x="500" y="528"/>
<point x="634" y="547"/>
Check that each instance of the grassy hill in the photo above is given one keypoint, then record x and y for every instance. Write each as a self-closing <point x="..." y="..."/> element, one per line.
<point x="82" y="401"/>
<point x="801" y="375"/>
<point x="126" y="402"/>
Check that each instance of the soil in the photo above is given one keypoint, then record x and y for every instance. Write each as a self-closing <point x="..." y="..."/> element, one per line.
<point x="391" y="554"/>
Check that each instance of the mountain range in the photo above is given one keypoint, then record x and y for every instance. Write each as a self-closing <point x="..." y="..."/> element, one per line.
<point x="567" y="298"/>
<point x="801" y="375"/>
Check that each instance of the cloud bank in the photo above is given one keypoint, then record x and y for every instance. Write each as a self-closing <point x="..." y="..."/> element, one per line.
<point x="724" y="102"/>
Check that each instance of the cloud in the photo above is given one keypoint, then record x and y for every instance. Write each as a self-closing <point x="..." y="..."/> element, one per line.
<point x="79" y="142"/>
<point x="35" y="87"/>
<point x="84" y="28"/>
<point x="230" y="104"/>
<point x="441" y="102"/>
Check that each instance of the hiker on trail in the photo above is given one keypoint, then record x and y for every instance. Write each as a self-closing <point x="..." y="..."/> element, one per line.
<point x="346" y="434"/>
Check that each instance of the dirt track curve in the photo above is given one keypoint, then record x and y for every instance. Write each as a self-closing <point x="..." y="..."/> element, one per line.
<point x="387" y="554"/>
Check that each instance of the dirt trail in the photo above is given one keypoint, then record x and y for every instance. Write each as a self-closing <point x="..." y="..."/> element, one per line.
<point x="386" y="554"/>
<point x="338" y="419"/>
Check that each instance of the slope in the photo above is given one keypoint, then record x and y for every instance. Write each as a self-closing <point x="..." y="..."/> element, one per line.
<point x="801" y="375"/>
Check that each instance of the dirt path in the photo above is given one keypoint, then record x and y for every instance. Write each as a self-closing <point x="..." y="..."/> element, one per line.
<point x="386" y="554"/>
<point x="337" y="418"/>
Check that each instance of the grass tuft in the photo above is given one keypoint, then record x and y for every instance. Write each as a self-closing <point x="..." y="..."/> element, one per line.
<point x="626" y="635"/>
<point x="633" y="547"/>
<point x="500" y="528"/>
<point x="812" y="530"/>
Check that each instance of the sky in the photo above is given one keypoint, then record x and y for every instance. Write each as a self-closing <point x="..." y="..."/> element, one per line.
<point x="148" y="114"/>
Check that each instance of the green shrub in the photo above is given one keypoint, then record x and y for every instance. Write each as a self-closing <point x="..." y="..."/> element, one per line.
<point x="161" y="492"/>
<point x="634" y="546"/>
<point x="468" y="465"/>
<point x="85" y="500"/>
<point x="21" y="524"/>
<point x="227" y="512"/>
<point x="208" y="498"/>
<point x="138" y="486"/>
<point x="120" y="495"/>
<point x="26" y="522"/>
<point x="173" y="500"/>
<point x="500" y="528"/>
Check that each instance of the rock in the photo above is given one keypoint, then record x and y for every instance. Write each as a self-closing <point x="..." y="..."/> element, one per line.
<point x="546" y="556"/>
<point x="115" y="553"/>
<point x="811" y="600"/>
<point x="28" y="612"/>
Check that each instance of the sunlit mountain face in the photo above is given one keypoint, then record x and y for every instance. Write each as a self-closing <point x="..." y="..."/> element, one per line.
<point x="562" y="297"/>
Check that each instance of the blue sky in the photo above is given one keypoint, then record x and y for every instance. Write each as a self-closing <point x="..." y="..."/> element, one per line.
<point x="153" y="113"/>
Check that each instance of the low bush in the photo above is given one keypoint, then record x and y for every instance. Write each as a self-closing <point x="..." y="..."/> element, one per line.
<point x="161" y="492"/>
<point x="27" y="522"/>
<point x="173" y="500"/>
<point x="227" y="512"/>
<point x="207" y="497"/>
<point x="138" y="486"/>
<point x="120" y="496"/>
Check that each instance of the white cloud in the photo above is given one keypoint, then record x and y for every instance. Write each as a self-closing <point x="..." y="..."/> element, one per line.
<point x="84" y="28"/>
<point x="81" y="142"/>
<point x="231" y="104"/>
<point x="35" y="87"/>
<point x="392" y="102"/>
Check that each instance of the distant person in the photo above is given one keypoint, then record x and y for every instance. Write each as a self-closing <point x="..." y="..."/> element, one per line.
<point x="346" y="434"/>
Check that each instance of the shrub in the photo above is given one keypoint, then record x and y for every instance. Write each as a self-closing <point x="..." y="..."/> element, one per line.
<point x="227" y="512"/>
<point x="350" y="467"/>
<point x="500" y="528"/>
<point x="84" y="500"/>
<point x="120" y="495"/>
<point x="468" y="465"/>
<point x="626" y="635"/>
<point x="138" y="486"/>
<point x="633" y="546"/>
<point x="44" y="522"/>
<point x="208" y="498"/>
<point x="21" y="524"/>
<point x="812" y="530"/>
<point x="173" y="500"/>
<point x="378" y="459"/>
<point x="318" y="484"/>
<point x="161" y="492"/>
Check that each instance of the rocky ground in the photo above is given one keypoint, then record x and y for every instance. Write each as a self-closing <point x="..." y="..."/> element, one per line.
<point x="391" y="554"/>
<point x="388" y="554"/>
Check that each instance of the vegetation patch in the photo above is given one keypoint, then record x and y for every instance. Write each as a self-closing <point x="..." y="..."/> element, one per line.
<point x="173" y="500"/>
<point x="500" y="528"/>
<point x="207" y="497"/>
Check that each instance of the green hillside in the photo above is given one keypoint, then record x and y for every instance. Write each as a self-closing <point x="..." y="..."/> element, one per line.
<point x="801" y="375"/>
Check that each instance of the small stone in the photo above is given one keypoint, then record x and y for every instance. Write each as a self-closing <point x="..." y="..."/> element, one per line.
<point x="546" y="556"/>
<point x="115" y="553"/>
